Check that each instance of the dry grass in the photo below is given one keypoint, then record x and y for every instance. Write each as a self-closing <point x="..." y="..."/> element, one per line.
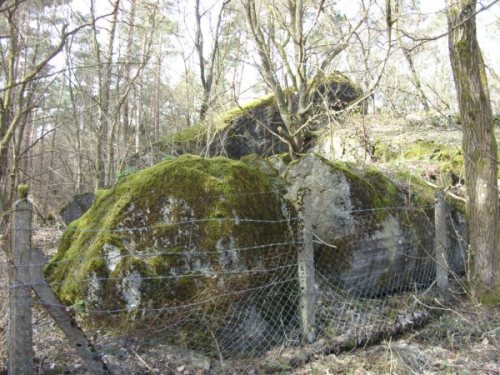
<point x="463" y="340"/>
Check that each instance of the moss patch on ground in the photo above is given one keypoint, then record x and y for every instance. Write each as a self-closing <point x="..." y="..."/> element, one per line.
<point x="436" y="162"/>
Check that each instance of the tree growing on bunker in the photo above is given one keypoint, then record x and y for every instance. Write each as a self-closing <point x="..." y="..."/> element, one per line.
<point x="290" y="39"/>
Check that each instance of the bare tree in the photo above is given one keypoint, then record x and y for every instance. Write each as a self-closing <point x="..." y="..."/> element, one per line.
<point x="479" y="144"/>
<point x="408" y="52"/>
<point x="24" y="67"/>
<point x="208" y="65"/>
<point x="128" y="68"/>
<point x="105" y="71"/>
<point x="284" y="33"/>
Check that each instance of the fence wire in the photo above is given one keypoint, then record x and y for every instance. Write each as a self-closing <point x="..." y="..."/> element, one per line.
<point x="252" y="311"/>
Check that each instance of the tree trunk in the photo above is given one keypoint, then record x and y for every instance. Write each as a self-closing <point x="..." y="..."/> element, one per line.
<point x="111" y="167"/>
<point x="78" y="138"/>
<point x="416" y="80"/>
<point x="7" y="104"/>
<point x="139" y="125"/>
<point x="479" y="144"/>
<point x="127" y="73"/>
<point x="156" y="102"/>
<point x="104" y="99"/>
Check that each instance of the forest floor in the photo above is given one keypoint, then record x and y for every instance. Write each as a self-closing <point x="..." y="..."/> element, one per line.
<point x="461" y="339"/>
<point x="465" y="339"/>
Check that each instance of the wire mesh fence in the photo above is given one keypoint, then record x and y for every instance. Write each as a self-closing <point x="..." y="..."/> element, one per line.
<point x="236" y="303"/>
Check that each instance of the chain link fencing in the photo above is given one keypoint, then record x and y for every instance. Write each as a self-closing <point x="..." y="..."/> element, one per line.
<point x="241" y="315"/>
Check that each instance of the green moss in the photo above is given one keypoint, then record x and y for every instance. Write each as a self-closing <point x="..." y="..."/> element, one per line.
<point x="187" y="140"/>
<point x="233" y="113"/>
<point x="461" y="45"/>
<point x="440" y="160"/>
<point x="489" y="298"/>
<point x="268" y="100"/>
<point x="420" y="149"/>
<point x="419" y="192"/>
<point x="334" y="77"/>
<point x="384" y="152"/>
<point x="22" y="191"/>
<point x="192" y="133"/>
<point x="126" y="172"/>
<point x="202" y="201"/>
<point x="382" y="190"/>
<point x="370" y="190"/>
<point x="128" y="265"/>
<point x="188" y="286"/>
<point x="161" y="264"/>
<point x="449" y="159"/>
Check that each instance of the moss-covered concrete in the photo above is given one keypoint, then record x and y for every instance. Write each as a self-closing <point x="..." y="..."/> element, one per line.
<point x="233" y="133"/>
<point x="225" y="118"/>
<point x="321" y="87"/>
<point x="174" y="226"/>
<point x="251" y="128"/>
<point x="377" y="233"/>
<point x="371" y="190"/>
<point x="382" y="226"/>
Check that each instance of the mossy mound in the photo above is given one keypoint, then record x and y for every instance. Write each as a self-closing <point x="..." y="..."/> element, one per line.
<point x="183" y="232"/>
<point x="249" y="129"/>
<point x="335" y="90"/>
<point x="244" y="130"/>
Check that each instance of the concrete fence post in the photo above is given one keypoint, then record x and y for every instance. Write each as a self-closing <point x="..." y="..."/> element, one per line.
<point x="20" y="338"/>
<point x="441" y="245"/>
<point x="306" y="281"/>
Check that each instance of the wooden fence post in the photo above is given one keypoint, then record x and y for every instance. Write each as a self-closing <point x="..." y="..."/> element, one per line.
<point x="20" y="326"/>
<point x="306" y="282"/>
<point x="441" y="245"/>
<point x="76" y="338"/>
